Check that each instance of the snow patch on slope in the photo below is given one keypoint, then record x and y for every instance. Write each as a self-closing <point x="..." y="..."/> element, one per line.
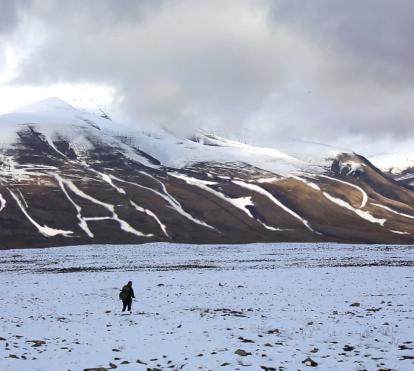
<point x="308" y="183"/>
<point x="152" y="215"/>
<point x="83" y="224"/>
<point x="240" y="203"/>
<point x="363" y="214"/>
<point x="111" y="208"/>
<point x="43" y="229"/>
<point x="173" y="203"/>
<point x="363" y="193"/>
<point x="393" y="211"/>
<point x="2" y="202"/>
<point x="258" y="189"/>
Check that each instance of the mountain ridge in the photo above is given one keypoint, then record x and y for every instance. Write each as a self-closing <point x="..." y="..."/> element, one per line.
<point x="70" y="177"/>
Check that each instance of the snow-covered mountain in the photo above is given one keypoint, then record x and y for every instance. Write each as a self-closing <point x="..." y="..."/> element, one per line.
<point x="72" y="177"/>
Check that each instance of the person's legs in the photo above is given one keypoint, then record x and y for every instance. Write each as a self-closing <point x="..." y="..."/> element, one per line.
<point x="129" y="304"/>
<point x="124" y="305"/>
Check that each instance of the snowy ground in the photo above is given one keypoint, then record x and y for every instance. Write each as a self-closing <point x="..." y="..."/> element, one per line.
<point x="345" y="307"/>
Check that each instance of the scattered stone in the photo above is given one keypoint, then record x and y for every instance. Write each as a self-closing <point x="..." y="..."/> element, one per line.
<point x="374" y="309"/>
<point x="274" y="331"/>
<point x="141" y="362"/>
<point x="265" y="368"/>
<point x="355" y="305"/>
<point x="314" y="350"/>
<point x="310" y="362"/>
<point x="225" y="364"/>
<point x="115" y="350"/>
<point x="36" y="343"/>
<point x="112" y="365"/>
<point x="406" y="357"/>
<point x="96" y="369"/>
<point x="242" y="353"/>
<point x="13" y="356"/>
<point x="244" y="340"/>
<point x="2" y="339"/>
<point x="348" y="348"/>
<point x="124" y="362"/>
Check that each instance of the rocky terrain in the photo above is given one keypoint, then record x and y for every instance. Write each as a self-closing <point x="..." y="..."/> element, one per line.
<point x="69" y="177"/>
<point x="238" y="307"/>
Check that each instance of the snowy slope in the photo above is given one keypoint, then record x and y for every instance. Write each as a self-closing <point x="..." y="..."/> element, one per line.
<point x="72" y="177"/>
<point x="55" y="118"/>
<point x="394" y="163"/>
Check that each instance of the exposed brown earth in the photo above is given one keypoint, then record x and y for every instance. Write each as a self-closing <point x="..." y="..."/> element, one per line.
<point x="190" y="212"/>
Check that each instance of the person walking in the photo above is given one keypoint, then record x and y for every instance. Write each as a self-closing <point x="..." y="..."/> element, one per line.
<point x="126" y="295"/>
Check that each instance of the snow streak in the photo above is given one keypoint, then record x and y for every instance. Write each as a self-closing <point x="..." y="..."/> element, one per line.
<point x="364" y="194"/>
<point x="169" y="198"/>
<point x="43" y="229"/>
<point x="151" y="214"/>
<point x="393" y="211"/>
<point x="363" y="214"/>
<point x="107" y="178"/>
<point x="262" y="191"/>
<point x="338" y="201"/>
<point x="398" y="232"/>
<point x="310" y="184"/>
<point x="239" y="203"/>
<point x="82" y="221"/>
<point x="2" y="202"/>
<point x="111" y="208"/>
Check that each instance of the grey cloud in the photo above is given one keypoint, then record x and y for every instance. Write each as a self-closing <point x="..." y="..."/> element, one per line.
<point x="180" y="65"/>
<point x="10" y="14"/>
<point x="373" y="37"/>
<point x="322" y="70"/>
<point x="10" y="19"/>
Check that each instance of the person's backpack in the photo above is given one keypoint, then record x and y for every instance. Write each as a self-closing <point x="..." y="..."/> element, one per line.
<point x="124" y="293"/>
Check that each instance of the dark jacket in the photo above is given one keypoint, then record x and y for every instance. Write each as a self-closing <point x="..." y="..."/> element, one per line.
<point x="129" y="292"/>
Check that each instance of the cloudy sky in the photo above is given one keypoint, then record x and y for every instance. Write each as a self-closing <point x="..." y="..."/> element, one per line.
<point x="329" y="71"/>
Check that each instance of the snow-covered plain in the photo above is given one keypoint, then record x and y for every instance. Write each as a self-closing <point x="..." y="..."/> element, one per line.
<point x="346" y="307"/>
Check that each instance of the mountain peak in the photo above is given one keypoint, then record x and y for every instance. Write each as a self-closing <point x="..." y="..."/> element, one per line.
<point x="48" y="104"/>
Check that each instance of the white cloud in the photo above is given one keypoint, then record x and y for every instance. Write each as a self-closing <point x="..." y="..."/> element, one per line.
<point x="326" y="70"/>
<point x="83" y="96"/>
